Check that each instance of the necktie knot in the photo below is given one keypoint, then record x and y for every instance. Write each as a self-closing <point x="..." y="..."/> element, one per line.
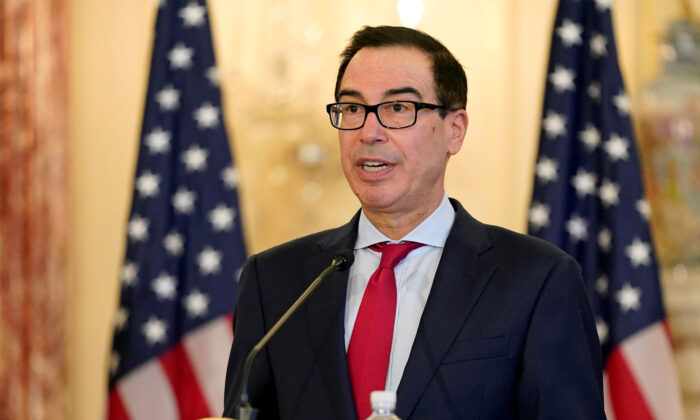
<point x="393" y="254"/>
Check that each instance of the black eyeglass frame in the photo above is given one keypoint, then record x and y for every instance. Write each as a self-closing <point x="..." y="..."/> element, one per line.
<point x="375" y="109"/>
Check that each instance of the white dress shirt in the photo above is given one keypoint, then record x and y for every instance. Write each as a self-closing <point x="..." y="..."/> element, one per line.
<point x="414" y="278"/>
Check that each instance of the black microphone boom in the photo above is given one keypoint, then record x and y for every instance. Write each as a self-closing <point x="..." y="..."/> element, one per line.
<point x="342" y="260"/>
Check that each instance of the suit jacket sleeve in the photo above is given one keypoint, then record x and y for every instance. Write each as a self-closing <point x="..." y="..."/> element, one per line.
<point x="561" y="359"/>
<point x="248" y="329"/>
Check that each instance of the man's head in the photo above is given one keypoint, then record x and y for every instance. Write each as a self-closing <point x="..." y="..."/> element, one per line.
<point x="397" y="173"/>
<point x="448" y="75"/>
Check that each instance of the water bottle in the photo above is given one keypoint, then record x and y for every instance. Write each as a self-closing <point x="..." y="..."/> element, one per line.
<point x="383" y="405"/>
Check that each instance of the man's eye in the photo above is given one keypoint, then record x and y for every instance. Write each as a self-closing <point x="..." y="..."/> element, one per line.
<point x="352" y="109"/>
<point x="398" y="107"/>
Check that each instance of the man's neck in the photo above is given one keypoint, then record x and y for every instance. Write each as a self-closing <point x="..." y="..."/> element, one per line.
<point x="396" y="225"/>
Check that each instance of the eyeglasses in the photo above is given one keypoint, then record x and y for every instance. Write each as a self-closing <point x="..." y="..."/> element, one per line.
<point x="392" y="114"/>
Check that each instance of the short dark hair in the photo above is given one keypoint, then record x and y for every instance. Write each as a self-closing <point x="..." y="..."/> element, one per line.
<point x="450" y="81"/>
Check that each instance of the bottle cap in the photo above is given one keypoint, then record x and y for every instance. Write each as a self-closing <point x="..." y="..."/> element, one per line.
<point x="383" y="400"/>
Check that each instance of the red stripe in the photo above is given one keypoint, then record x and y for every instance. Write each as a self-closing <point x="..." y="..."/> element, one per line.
<point x="627" y="400"/>
<point x="115" y="407"/>
<point x="190" y="400"/>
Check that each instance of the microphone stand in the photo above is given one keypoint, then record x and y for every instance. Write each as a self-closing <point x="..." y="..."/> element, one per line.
<point x="340" y="262"/>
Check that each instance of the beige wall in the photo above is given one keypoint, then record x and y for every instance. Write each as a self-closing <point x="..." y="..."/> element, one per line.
<point x="264" y="57"/>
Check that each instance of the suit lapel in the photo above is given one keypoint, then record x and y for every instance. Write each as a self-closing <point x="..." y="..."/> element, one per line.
<point x="326" y="314"/>
<point x="459" y="281"/>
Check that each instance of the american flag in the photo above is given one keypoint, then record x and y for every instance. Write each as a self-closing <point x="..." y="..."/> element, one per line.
<point x="588" y="199"/>
<point x="172" y="330"/>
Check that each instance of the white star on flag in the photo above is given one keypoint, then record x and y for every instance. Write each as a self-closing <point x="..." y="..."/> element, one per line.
<point x="590" y="137"/>
<point x="207" y="116"/>
<point x="120" y="318"/>
<point x="158" y="141"/>
<point x="617" y="147"/>
<point x="622" y="103"/>
<point x="602" y="329"/>
<point x="538" y="215"/>
<point x="562" y="79"/>
<point x="168" y="98"/>
<point x="195" y="158"/>
<point x="570" y="33"/>
<point x="212" y="74"/>
<point x="180" y="56"/>
<point x="173" y="243"/>
<point x="221" y="218"/>
<point x="137" y="228"/>
<point x="113" y="362"/>
<point x="603" y="5"/>
<point x="643" y="208"/>
<point x="609" y="193"/>
<point x="196" y="303"/>
<point x="209" y="261"/>
<point x="584" y="182"/>
<point x="601" y="285"/>
<point x="192" y="14"/>
<point x="183" y="201"/>
<point x="154" y="330"/>
<point x="629" y="297"/>
<point x="554" y="124"/>
<point x="638" y="252"/>
<point x="147" y="184"/>
<point x="546" y="170"/>
<point x="577" y="228"/>
<point x="128" y="273"/>
<point x="598" y="45"/>
<point x="230" y="177"/>
<point x="594" y="91"/>
<point x="605" y="239"/>
<point x="164" y="286"/>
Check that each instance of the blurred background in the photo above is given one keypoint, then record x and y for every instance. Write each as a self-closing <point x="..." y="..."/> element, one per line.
<point x="277" y="62"/>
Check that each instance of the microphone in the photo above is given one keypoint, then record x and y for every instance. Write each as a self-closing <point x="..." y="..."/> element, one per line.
<point x="342" y="260"/>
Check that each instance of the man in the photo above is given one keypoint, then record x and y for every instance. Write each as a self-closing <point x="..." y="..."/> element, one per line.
<point x="475" y="322"/>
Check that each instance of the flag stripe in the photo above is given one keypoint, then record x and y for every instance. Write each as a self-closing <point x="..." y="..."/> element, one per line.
<point x="115" y="407"/>
<point x="176" y="365"/>
<point x="208" y="348"/>
<point x="626" y="398"/>
<point x="609" y="412"/>
<point x="648" y="354"/>
<point x="146" y="393"/>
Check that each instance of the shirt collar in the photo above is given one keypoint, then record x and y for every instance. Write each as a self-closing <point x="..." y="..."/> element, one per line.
<point x="432" y="231"/>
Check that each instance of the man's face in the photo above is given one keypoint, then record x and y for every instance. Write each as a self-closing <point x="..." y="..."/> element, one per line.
<point x="397" y="171"/>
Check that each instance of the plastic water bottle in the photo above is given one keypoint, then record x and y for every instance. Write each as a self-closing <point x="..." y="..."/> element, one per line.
<point x="383" y="405"/>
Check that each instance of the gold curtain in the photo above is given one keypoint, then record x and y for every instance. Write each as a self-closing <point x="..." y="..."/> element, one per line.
<point x="33" y="214"/>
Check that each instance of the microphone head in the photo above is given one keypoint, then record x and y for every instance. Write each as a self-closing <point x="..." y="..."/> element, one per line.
<point x="343" y="259"/>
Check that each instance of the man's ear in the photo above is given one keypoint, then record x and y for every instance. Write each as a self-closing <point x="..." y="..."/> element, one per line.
<point x="457" y="128"/>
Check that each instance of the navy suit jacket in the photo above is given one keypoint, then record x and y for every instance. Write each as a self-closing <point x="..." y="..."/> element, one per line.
<point x="507" y="332"/>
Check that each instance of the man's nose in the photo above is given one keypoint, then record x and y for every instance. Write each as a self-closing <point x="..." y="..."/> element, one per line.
<point x="372" y="131"/>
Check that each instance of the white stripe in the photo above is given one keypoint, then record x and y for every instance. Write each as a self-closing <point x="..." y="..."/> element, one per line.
<point x="650" y="358"/>
<point x="147" y="395"/>
<point x="208" y="349"/>
<point x="609" y="412"/>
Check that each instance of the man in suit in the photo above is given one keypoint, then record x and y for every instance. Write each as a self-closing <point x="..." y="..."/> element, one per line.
<point x="483" y="323"/>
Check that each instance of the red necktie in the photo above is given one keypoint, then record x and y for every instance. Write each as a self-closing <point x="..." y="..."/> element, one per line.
<point x="370" y="343"/>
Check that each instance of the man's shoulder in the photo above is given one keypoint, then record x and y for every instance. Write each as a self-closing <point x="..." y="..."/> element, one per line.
<point x="518" y="243"/>
<point x="502" y="241"/>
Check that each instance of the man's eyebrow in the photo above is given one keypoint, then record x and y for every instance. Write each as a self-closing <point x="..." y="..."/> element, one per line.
<point x="349" y="92"/>
<point x="405" y="89"/>
<point x="390" y="92"/>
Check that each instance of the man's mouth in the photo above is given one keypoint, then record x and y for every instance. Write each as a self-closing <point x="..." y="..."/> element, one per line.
<point x="370" y="166"/>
